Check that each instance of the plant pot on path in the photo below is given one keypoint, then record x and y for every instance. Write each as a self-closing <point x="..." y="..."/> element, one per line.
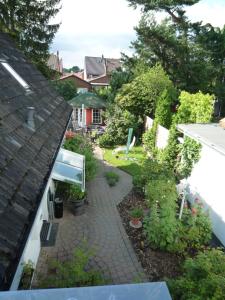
<point x="77" y="199"/>
<point x="136" y="215"/>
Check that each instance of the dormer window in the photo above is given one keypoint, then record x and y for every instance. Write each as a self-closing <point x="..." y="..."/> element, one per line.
<point x="16" y="76"/>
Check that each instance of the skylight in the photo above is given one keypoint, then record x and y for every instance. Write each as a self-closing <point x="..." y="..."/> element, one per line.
<point x="15" y="75"/>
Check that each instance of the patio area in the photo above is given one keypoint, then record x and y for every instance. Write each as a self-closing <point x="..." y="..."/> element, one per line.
<point x="101" y="227"/>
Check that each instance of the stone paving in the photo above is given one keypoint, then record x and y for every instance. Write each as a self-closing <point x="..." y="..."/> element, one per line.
<point x="102" y="228"/>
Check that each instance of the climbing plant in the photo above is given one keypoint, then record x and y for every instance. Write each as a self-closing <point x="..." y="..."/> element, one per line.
<point x="189" y="153"/>
<point x="150" y="138"/>
<point x="193" y="108"/>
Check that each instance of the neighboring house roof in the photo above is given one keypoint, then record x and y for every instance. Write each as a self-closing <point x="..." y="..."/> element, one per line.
<point x="55" y="63"/>
<point x="78" y="81"/>
<point x="80" y="74"/>
<point x="90" y="100"/>
<point x="112" y="64"/>
<point x="101" y="80"/>
<point x="98" y="66"/>
<point x="27" y="150"/>
<point x="94" y="66"/>
<point x="212" y="135"/>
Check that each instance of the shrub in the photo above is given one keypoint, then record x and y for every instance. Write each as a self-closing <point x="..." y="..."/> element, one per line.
<point x="76" y="193"/>
<point x="196" y="229"/>
<point x="72" y="273"/>
<point x="118" y="122"/>
<point x="137" y="212"/>
<point x="81" y="145"/>
<point x="112" y="178"/>
<point x="149" y="139"/>
<point x="139" y="183"/>
<point x="161" y="225"/>
<point x="105" y="140"/>
<point x="203" y="278"/>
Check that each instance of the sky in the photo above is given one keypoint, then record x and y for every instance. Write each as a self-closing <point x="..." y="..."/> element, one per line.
<point x="96" y="27"/>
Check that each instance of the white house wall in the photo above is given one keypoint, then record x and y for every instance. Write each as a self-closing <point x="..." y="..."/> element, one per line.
<point x="33" y="245"/>
<point x="207" y="183"/>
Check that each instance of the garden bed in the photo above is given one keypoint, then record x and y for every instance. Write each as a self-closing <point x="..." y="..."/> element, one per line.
<point x="157" y="264"/>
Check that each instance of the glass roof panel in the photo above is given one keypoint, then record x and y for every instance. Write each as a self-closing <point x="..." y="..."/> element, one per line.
<point x="70" y="158"/>
<point x="142" y="291"/>
<point x="69" y="167"/>
<point x="15" y="75"/>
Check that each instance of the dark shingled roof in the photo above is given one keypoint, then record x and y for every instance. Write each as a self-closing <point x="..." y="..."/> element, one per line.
<point x="97" y="66"/>
<point x="89" y="100"/>
<point x="26" y="155"/>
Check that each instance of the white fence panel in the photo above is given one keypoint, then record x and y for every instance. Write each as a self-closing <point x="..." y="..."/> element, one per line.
<point x="162" y="133"/>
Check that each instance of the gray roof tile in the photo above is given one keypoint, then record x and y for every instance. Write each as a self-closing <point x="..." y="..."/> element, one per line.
<point x="26" y="156"/>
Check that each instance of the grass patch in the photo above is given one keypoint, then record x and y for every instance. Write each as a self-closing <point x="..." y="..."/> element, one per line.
<point x="112" y="178"/>
<point x="130" y="163"/>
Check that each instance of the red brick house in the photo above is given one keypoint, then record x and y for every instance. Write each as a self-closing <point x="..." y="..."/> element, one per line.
<point x="82" y="85"/>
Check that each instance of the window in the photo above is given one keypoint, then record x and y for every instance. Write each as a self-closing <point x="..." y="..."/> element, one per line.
<point x="96" y="118"/>
<point x="76" y="114"/>
<point x="81" y="113"/>
<point x="15" y="75"/>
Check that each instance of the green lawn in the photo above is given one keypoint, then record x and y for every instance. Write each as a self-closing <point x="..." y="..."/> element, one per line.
<point x="132" y="165"/>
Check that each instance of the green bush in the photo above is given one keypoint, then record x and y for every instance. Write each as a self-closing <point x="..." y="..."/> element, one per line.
<point x="149" y="139"/>
<point x="81" y="145"/>
<point x="195" y="230"/>
<point x="106" y="140"/>
<point x="137" y="212"/>
<point x="118" y="122"/>
<point x="76" y="193"/>
<point x="203" y="278"/>
<point x="139" y="183"/>
<point x="161" y="225"/>
<point x="112" y="178"/>
<point x="72" y="273"/>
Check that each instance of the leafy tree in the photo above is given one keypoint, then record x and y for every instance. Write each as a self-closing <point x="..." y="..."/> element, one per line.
<point x="74" y="69"/>
<point x="191" y="53"/>
<point x="28" y="21"/>
<point x="117" y="80"/>
<point x="195" y="108"/>
<point x="66" y="88"/>
<point x="203" y="278"/>
<point x="141" y="95"/>
<point x="118" y="122"/>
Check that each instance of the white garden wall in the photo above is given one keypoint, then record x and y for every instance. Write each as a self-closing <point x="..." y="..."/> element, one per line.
<point x="207" y="182"/>
<point x="33" y="245"/>
<point x="162" y="133"/>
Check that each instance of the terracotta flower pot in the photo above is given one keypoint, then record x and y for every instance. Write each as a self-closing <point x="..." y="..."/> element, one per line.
<point x="135" y="221"/>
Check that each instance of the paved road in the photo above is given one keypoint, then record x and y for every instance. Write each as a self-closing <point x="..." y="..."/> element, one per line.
<point x="102" y="228"/>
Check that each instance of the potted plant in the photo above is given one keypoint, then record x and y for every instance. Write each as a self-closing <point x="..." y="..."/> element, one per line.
<point x="76" y="197"/>
<point x="27" y="276"/>
<point x="136" y="215"/>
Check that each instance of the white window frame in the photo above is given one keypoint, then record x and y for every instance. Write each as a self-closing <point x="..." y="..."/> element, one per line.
<point x="15" y="75"/>
<point x="100" y="117"/>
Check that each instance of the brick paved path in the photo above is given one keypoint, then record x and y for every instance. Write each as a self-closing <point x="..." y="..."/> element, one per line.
<point x="101" y="226"/>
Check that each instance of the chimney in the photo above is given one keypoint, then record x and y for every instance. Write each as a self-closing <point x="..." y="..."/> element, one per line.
<point x="30" y="117"/>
